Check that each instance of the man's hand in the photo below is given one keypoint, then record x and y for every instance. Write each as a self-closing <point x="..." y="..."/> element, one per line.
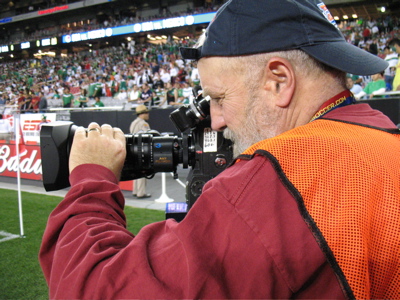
<point x="103" y="146"/>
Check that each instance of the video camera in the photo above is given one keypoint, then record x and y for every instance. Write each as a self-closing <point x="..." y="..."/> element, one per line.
<point x="207" y="152"/>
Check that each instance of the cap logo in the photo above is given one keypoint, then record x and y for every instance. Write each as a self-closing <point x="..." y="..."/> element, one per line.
<point x="327" y="14"/>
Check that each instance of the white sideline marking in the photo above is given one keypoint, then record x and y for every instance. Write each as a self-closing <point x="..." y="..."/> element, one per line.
<point x="177" y="180"/>
<point x="8" y="236"/>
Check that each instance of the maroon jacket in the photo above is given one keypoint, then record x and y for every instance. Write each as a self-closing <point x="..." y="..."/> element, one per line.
<point x="243" y="238"/>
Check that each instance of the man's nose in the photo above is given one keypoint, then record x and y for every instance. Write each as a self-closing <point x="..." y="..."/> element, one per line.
<point x="217" y="119"/>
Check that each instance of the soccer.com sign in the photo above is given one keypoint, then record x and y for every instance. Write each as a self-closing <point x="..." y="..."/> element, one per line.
<point x="138" y="27"/>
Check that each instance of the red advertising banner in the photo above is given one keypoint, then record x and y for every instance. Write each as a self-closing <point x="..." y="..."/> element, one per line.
<point x="30" y="161"/>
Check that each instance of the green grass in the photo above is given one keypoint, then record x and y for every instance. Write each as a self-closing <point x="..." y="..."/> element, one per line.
<point x="20" y="273"/>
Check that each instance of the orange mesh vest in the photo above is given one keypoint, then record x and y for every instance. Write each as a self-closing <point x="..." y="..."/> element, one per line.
<point x="348" y="177"/>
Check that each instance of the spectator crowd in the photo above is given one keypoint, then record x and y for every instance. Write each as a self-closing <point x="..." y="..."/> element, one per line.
<point x="155" y="74"/>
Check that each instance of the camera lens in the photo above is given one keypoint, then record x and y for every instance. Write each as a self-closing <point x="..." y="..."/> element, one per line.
<point x="148" y="154"/>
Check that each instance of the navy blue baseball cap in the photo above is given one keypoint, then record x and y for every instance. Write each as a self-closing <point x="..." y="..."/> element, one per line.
<point x="243" y="27"/>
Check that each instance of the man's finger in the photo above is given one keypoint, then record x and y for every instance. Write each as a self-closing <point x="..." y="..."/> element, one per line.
<point x="80" y="133"/>
<point x="93" y="128"/>
<point x="118" y="134"/>
<point x="107" y="130"/>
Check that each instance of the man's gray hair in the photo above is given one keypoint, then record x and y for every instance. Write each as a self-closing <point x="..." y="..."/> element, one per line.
<point x="253" y="65"/>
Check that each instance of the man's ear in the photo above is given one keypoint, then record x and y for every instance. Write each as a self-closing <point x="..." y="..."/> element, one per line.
<point x="280" y="80"/>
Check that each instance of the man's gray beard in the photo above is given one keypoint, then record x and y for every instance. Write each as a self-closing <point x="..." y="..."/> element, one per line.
<point x="247" y="136"/>
<point x="251" y="132"/>
<point x="230" y="135"/>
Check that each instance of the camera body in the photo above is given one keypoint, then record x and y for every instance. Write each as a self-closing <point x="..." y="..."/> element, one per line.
<point x="207" y="152"/>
